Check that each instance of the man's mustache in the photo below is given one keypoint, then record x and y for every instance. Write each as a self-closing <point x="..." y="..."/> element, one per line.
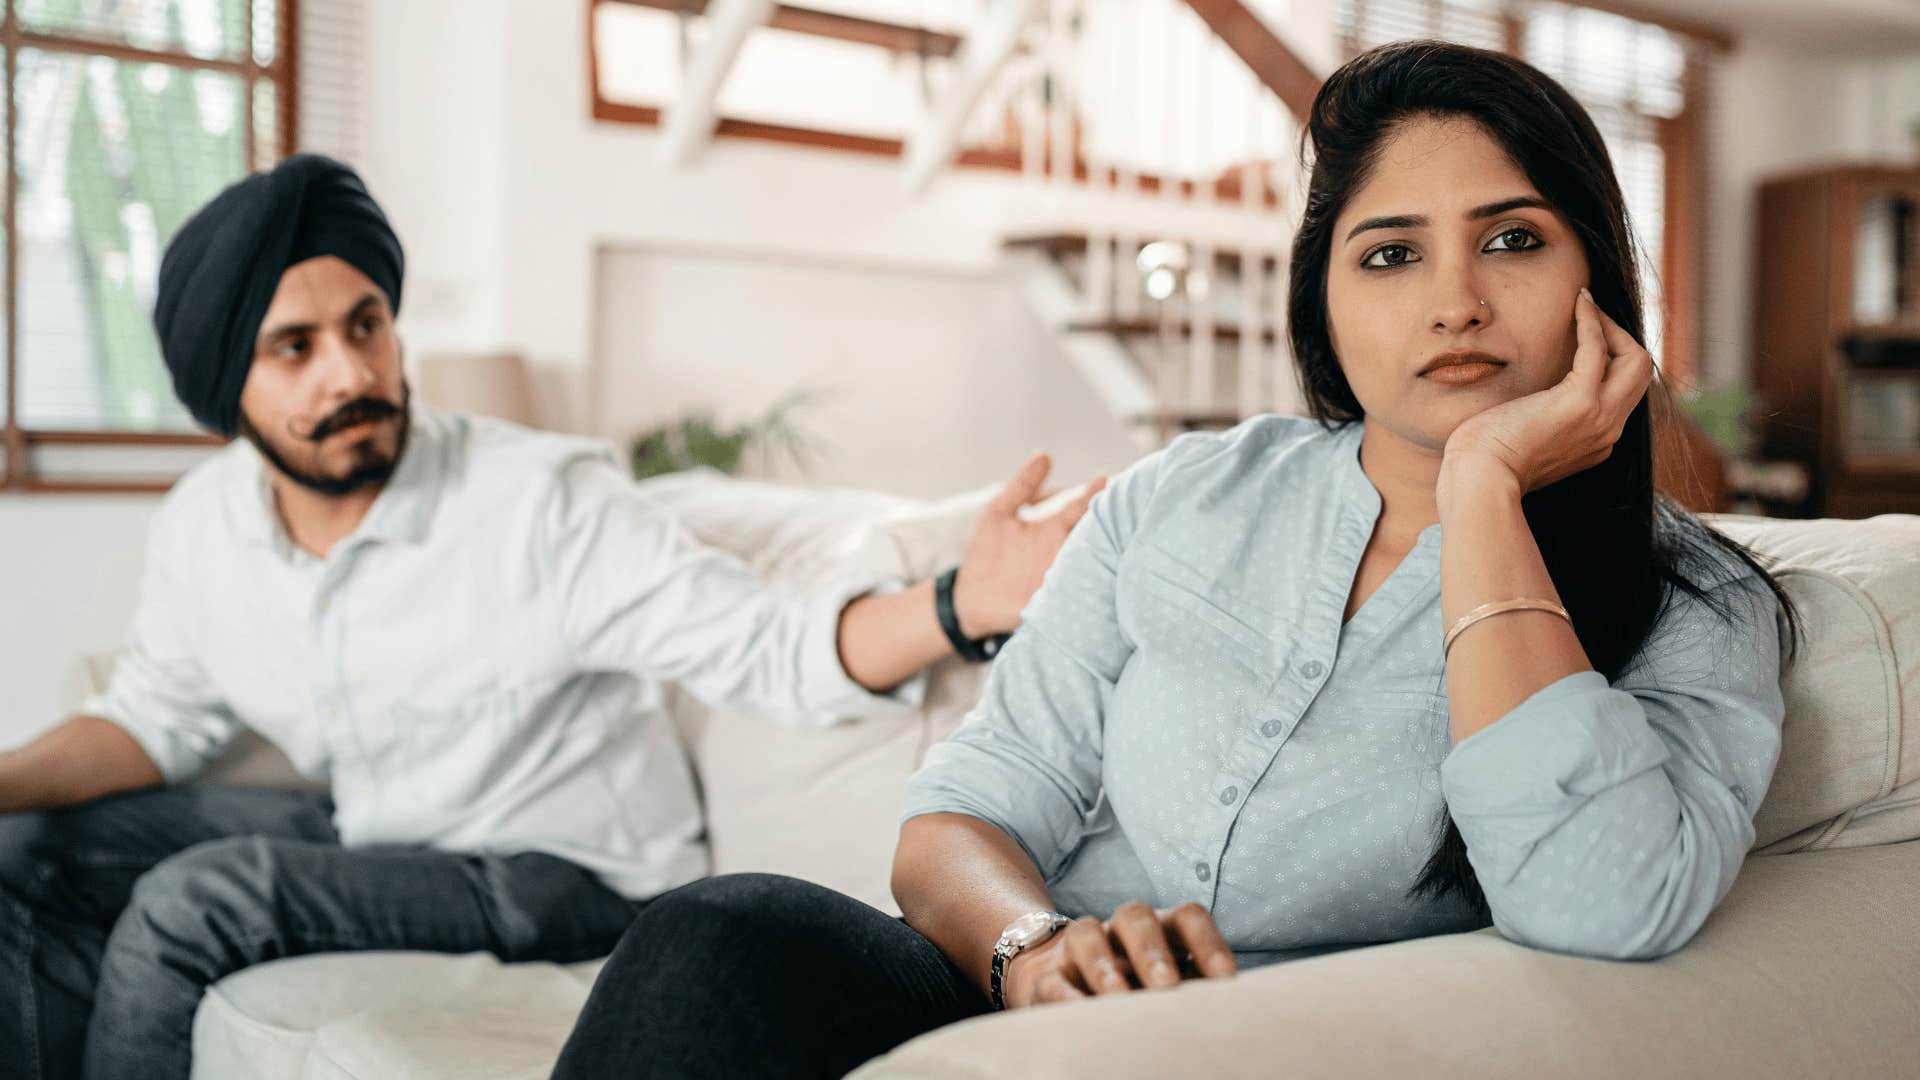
<point x="358" y="411"/>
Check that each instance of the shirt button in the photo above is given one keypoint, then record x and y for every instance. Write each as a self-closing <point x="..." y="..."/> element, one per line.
<point x="1312" y="669"/>
<point x="1270" y="728"/>
<point x="1200" y="871"/>
<point x="1230" y="794"/>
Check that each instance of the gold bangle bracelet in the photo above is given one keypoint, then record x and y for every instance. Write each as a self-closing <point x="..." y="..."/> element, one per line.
<point x="1495" y="608"/>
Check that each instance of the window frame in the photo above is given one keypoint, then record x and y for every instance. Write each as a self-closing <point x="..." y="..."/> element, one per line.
<point x="19" y="441"/>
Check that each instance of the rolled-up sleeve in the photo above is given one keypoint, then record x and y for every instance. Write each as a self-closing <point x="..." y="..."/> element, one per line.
<point x="1609" y="820"/>
<point x="635" y="592"/>
<point x="1027" y="759"/>
<point x="159" y="693"/>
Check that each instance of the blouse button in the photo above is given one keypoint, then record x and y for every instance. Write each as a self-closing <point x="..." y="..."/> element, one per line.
<point x="1312" y="669"/>
<point x="1231" y="793"/>
<point x="1270" y="728"/>
<point x="1200" y="871"/>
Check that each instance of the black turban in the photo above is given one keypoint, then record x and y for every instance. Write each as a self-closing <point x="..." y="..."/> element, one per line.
<point x="222" y="268"/>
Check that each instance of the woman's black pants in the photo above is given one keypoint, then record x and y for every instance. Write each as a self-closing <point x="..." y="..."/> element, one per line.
<point x="757" y="975"/>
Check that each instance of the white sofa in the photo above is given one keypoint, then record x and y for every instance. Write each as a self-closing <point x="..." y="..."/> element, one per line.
<point x="1810" y="968"/>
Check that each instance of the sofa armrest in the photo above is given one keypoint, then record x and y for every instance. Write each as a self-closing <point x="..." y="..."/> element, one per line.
<point x="1810" y="967"/>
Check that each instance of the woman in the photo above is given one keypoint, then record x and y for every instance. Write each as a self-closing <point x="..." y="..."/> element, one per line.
<point x="1271" y="700"/>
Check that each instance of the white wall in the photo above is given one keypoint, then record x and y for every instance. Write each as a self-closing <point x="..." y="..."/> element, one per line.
<point x="933" y="381"/>
<point x="69" y="570"/>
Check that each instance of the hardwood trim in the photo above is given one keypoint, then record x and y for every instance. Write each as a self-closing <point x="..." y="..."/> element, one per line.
<point x="14" y="439"/>
<point x="1277" y="67"/>
<point x="621" y="113"/>
<point x="286" y="89"/>
<point x="97" y="487"/>
<point x="1680" y="246"/>
<point x="86" y="45"/>
<point x="1513" y="34"/>
<point x="1057" y="244"/>
<point x="122" y="438"/>
<point x="593" y="66"/>
<point x="895" y="37"/>
<point x="799" y="136"/>
<point x="248" y="158"/>
<point x="1146" y="327"/>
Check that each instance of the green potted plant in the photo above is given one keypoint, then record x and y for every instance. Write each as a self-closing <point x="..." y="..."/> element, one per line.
<point x="697" y="440"/>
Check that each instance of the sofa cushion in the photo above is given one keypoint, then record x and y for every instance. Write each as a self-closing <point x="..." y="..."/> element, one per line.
<point x="823" y="804"/>
<point x="1849" y="770"/>
<point x="314" y="1013"/>
<point x="1809" y="968"/>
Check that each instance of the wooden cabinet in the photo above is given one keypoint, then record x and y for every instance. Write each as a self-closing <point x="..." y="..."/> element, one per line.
<point x="1836" y="335"/>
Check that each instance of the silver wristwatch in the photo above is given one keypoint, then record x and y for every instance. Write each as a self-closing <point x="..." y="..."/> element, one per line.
<point x="1023" y="933"/>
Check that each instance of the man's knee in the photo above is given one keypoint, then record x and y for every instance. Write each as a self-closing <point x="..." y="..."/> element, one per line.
<point x="210" y="904"/>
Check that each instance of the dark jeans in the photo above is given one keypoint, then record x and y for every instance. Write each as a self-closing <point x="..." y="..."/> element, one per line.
<point x="117" y="915"/>
<point x="763" y="976"/>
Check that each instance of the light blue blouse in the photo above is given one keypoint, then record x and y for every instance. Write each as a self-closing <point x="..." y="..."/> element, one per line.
<point x="1184" y="716"/>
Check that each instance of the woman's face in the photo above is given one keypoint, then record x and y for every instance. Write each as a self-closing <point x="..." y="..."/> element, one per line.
<point x="1448" y="249"/>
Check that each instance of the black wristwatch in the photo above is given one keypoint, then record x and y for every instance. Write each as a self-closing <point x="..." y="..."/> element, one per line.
<point x="971" y="650"/>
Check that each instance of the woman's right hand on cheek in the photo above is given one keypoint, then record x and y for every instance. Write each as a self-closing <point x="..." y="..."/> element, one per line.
<point x="1137" y="948"/>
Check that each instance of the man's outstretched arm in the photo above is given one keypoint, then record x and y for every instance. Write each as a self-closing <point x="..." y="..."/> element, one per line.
<point x="886" y="638"/>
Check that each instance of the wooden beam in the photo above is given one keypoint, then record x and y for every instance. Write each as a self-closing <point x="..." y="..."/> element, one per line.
<point x="1277" y="67"/>
<point x="981" y="57"/>
<point x="97" y="487"/>
<point x="122" y="438"/>
<point x="691" y="116"/>
<point x="14" y="438"/>
<point x="130" y="54"/>
<point x="1149" y="327"/>
<point x="895" y="37"/>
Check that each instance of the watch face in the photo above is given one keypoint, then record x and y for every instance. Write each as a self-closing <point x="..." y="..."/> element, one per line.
<point x="1030" y="929"/>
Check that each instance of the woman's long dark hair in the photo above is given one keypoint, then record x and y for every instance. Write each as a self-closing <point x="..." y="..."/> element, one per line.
<point x="1617" y="552"/>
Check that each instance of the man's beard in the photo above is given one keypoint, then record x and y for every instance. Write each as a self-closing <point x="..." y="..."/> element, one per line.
<point x="370" y="466"/>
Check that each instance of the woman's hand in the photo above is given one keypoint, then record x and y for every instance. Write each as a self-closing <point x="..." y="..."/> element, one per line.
<point x="1138" y="947"/>
<point x="1571" y="426"/>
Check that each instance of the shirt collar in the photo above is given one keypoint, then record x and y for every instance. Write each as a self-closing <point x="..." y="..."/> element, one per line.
<point x="402" y="512"/>
<point x="1361" y="494"/>
<point x="405" y="506"/>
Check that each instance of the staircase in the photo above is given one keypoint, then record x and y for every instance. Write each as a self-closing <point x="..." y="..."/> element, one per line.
<point x="1153" y="142"/>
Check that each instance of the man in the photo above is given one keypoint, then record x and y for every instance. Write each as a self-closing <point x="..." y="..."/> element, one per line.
<point x="460" y="624"/>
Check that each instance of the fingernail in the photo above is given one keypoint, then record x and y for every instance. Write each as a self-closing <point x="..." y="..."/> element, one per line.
<point x="1165" y="971"/>
<point x="1585" y="293"/>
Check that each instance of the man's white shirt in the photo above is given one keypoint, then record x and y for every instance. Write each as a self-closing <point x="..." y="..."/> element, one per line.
<point x="479" y="666"/>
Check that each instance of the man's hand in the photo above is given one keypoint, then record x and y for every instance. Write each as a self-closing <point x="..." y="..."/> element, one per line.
<point x="1007" y="557"/>
<point x="1137" y="948"/>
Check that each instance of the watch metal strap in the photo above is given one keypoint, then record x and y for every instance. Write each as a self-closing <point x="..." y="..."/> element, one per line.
<point x="1003" y="954"/>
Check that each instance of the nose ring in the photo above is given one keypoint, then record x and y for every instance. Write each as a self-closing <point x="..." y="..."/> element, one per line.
<point x="1483" y="303"/>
